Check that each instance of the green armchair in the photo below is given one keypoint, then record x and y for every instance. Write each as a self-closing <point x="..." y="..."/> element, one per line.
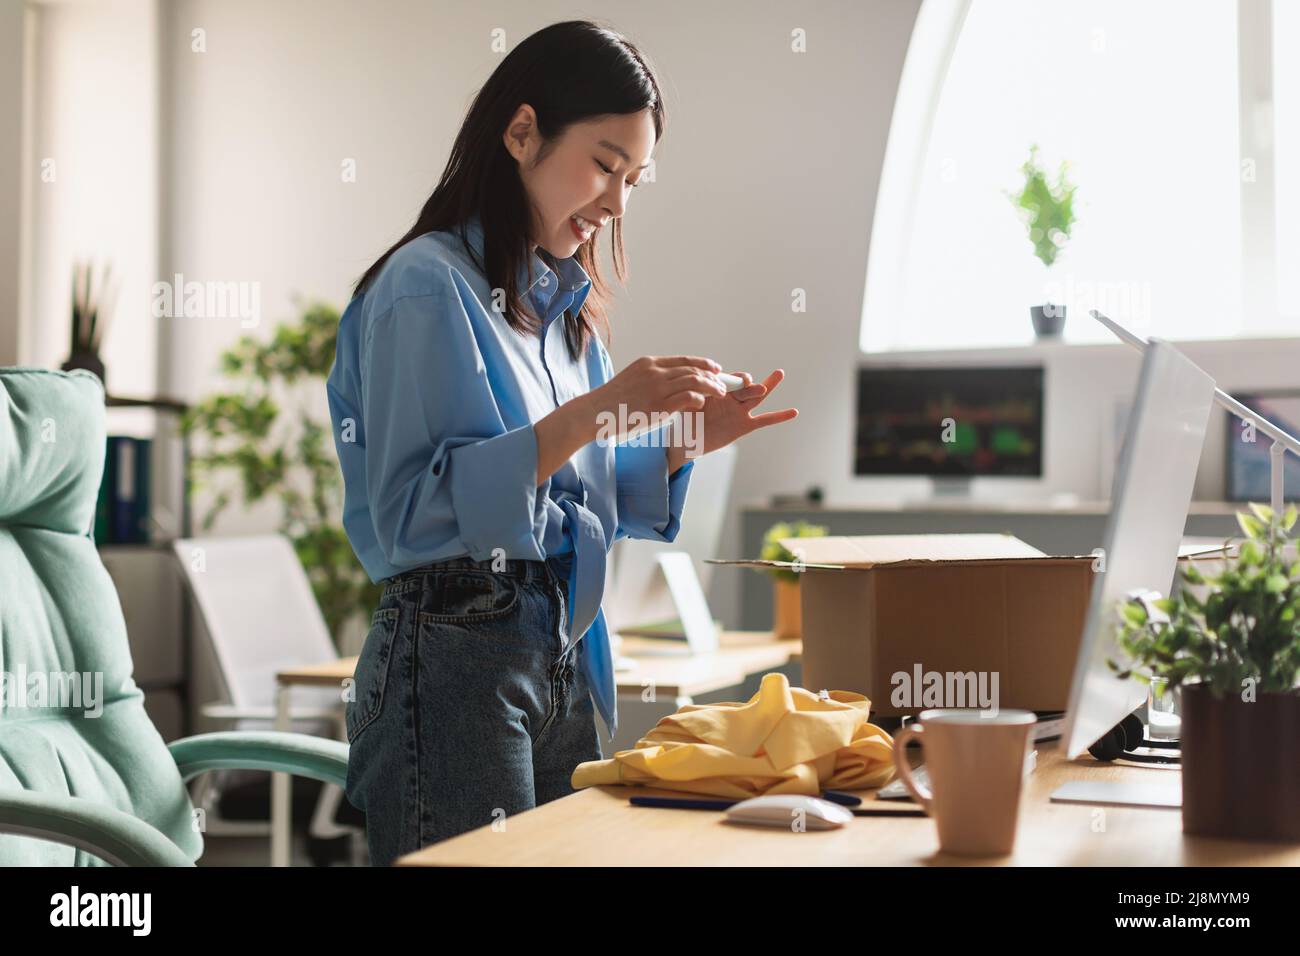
<point x="85" y="777"/>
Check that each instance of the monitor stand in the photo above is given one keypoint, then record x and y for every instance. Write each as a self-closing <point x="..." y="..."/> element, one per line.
<point x="1131" y="742"/>
<point x="951" y="488"/>
<point x="1103" y="793"/>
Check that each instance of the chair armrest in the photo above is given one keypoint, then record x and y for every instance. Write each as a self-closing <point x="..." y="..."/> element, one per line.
<point x="115" y="837"/>
<point x="274" y="750"/>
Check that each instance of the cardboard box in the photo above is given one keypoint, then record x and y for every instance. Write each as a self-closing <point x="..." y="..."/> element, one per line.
<point x="964" y="607"/>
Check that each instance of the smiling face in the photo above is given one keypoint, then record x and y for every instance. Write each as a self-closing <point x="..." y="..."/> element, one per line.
<point x="586" y="177"/>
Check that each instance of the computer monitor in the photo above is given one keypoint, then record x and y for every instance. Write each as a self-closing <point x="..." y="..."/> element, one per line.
<point x="952" y="422"/>
<point x="1247" y="468"/>
<point x="1153" y="490"/>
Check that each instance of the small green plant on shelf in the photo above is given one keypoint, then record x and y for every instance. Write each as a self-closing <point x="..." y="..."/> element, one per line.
<point x="260" y="449"/>
<point x="1046" y="208"/>
<point x="773" y="550"/>
<point x="1244" y="632"/>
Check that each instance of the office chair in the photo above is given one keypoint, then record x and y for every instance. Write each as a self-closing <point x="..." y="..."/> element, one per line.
<point x="86" y="779"/>
<point x="260" y="615"/>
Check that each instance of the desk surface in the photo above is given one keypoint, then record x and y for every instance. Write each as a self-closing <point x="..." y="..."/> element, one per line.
<point x="674" y="672"/>
<point x="597" y="827"/>
<point x="665" y="665"/>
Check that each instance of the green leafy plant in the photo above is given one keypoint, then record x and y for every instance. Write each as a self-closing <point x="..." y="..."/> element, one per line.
<point x="773" y="550"/>
<point x="1046" y="208"/>
<point x="1246" y="627"/>
<point x="268" y="450"/>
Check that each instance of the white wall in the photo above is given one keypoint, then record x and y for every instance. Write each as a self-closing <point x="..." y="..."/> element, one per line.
<point x="95" y="121"/>
<point x="13" y="64"/>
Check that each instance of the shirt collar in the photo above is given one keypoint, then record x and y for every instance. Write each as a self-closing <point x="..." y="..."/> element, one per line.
<point x="571" y="276"/>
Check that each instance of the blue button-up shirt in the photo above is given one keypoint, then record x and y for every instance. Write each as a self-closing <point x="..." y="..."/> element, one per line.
<point x="434" y="398"/>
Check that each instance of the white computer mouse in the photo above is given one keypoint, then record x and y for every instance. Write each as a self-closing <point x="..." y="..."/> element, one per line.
<point x="787" y="809"/>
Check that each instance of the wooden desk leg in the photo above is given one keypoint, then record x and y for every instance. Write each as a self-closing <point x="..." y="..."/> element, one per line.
<point x="280" y="792"/>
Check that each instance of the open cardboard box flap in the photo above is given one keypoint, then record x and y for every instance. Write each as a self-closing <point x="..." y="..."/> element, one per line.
<point x="843" y="552"/>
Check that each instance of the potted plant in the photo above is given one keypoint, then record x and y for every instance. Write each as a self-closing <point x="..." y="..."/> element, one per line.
<point x="266" y="450"/>
<point x="1048" y="213"/>
<point x="786" y="609"/>
<point x="90" y="304"/>
<point x="1229" y="645"/>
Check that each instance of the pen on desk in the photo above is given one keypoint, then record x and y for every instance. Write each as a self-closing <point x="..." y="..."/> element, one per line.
<point x="842" y="798"/>
<point x="682" y="803"/>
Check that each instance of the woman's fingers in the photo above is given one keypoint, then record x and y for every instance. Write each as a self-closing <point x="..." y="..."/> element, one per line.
<point x="684" y="376"/>
<point x="749" y="390"/>
<point x="771" y="418"/>
<point x="774" y="418"/>
<point x="692" y="360"/>
<point x="755" y="393"/>
<point x="685" y="400"/>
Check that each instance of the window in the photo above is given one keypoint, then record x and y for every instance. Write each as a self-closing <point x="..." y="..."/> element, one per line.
<point x="1143" y="101"/>
<point x="1286" y="110"/>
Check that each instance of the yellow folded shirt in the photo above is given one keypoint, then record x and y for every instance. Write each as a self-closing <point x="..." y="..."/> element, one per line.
<point x="784" y="740"/>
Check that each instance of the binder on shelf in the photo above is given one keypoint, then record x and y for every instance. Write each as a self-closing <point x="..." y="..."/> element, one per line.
<point x="122" y="512"/>
<point x="103" y="504"/>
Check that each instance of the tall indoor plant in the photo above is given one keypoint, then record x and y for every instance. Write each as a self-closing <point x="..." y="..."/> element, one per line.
<point x="286" y="453"/>
<point x="1047" y="209"/>
<point x="1231" y="647"/>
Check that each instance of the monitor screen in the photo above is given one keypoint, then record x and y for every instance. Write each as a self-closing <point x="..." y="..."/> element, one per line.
<point x="950" y="421"/>
<point x="1247" y="468"/>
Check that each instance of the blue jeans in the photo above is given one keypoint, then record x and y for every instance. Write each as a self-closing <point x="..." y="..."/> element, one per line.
<point x="468" y="705"/>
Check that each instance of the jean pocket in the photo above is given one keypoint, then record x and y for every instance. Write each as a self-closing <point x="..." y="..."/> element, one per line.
<point x="371" y="675"/>
<point x="466" y="597"/>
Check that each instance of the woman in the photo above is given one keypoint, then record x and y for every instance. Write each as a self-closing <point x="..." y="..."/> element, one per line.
<point x="472" y="403"/>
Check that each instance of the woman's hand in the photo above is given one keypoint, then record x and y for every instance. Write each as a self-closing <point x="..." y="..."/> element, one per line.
<point x="724" y="419"/>
<point x="731" y="416"/>
<point x="641" y="396"/>
<point x="649" y="390"/>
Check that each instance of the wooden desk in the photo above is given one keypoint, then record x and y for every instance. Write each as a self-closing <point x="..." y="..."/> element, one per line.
<point x="667" y="666"/>
<point x="670" y="668"/>
<point x="597" y="827"/>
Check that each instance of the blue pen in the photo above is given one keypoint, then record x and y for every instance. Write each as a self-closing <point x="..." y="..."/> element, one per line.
<point x="682" y="803"/>
<point x="842" y="798"/>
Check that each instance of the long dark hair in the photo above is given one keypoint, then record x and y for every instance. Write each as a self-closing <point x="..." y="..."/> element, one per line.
<point x="567" y="72"/>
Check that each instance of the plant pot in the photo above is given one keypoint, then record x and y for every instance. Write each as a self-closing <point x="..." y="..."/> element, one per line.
<point x="1241" y="765"/>
<point x="1049" y="320"/>
<point x="786" y="610"/>
<point x="85" y="358"/>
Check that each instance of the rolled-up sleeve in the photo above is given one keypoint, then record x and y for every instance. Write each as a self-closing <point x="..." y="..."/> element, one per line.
<point x="445" y="475"/>
<point x="650" y="502"/>
<point x="648" y="499"/>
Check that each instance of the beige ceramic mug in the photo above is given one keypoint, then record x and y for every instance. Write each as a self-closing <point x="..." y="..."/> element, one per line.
<point x="976" y="762"/>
